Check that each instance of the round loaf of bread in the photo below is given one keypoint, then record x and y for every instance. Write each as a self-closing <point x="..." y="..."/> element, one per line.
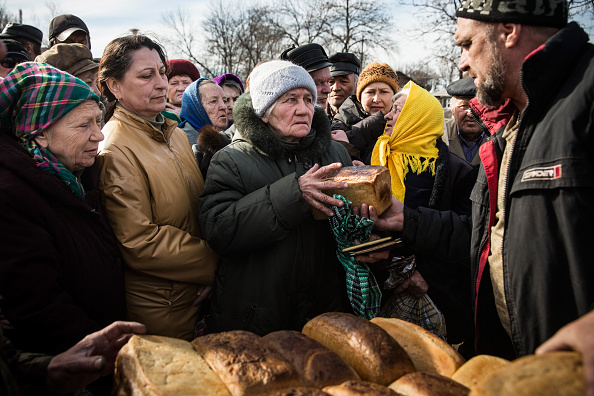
<point x="428" y="352"/>
<point x="363" y="345"/>
<point x="303" y="391"/>
<point x="425" y="384"/>
<point x="550" y="374"/>
<point x="476" y="369"/>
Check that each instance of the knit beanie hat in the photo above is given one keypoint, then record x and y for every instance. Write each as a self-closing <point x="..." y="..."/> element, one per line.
<point x="182" y="66"/>
<point x="271" y="80"/>
<point x="376" y="72"/>
<point x="551" y="13"/>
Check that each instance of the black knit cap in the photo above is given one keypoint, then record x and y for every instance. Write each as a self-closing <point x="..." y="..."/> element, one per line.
<point x="552" y="13"/>
<point x="27" y="32"/>
<point x="344" y="63"/>
<point x="311" y="57"/>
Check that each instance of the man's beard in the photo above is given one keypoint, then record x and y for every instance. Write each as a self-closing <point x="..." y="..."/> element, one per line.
<point x="490" y="92"/>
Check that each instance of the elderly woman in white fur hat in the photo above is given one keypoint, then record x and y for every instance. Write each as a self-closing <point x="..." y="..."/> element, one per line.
<point x="278" y="265"/>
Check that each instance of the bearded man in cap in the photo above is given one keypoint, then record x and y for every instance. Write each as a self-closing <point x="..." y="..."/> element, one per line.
<point x="69" y="28"/>
<point x="532" y="212"/>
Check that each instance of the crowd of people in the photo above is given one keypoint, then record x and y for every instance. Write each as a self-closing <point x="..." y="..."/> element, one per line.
<point x="139" y="196"/>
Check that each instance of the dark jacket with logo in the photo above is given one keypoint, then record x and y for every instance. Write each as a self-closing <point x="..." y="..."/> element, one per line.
<point x="278" y="265"/>
<point x="547" y="261"/>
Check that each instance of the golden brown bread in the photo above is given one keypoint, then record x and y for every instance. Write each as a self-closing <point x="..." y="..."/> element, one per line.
<point x="357" y="388"/>
<point x="300" y="392"/>
<point x="317" y="365"/>
<point x="369" y="184"/>
<point x="550" y="374"/>
<point x="477" y="368"/>
<point x="154" y="365"/>
<point x="428" y="352"/>
<point x="425" y="384"/>
<point x="363" y="345"/>
<point x="246" y="364"/>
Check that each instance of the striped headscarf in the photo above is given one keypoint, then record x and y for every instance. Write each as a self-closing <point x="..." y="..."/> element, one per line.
<point x="33" y="97"/>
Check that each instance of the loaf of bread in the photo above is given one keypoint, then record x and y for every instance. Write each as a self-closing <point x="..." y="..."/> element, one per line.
<point x="359" y="388"/>
<point x="246" y="364"/>
<point x="428" y="352"/>
<point x="425" y="384"/>
<point x="363" y="345"/>
<point x="153" y="365"/>
<point x="305" y="391"/>
<point x="369" y="184"/>
<point x="550" y="374"/>
<point x="317" y="365"/>
<point x="476" y="369"/>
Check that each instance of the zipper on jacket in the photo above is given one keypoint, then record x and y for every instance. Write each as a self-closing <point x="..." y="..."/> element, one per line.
<point x="181" y="166"/>
<point x="250" y="315"/>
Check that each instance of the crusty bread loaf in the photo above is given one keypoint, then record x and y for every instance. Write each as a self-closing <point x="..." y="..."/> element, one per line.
<point x="476" y="369"/>
<point x="366" y="347"/>
<point x="305" y="391"/>
<point x="428" y="352"/>
<point x="369" y="184"/>
<point x="154" y="365"/>
<point x="359" y="388"/>
<point x="425" y="384"/>
<point x="317" y="365"/>
<point x="550" y="374"/>
<point x="246" y="363"/>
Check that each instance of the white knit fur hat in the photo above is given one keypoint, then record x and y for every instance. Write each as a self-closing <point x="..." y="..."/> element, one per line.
<point x="271" y="80"/>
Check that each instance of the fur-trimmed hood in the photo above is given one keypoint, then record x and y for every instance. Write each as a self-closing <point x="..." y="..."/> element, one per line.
<point x="253" y="130"/>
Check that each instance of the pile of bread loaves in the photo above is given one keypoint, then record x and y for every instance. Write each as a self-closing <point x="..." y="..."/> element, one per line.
<point x="335" y="354"/>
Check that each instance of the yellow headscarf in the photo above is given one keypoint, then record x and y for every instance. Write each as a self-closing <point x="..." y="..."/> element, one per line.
<point x="412" y="143"/>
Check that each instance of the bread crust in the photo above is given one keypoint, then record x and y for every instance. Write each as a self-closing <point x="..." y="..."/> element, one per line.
<point x="366" y="347"/>
<point x="356" y="388"/>
<point x="428" y="352"/>
<point x="153" y="365"/>
<point x="317" y="365"/>
<point x="425" y="384"/>
<point x="477" y="368"/>
<point x="246" y="364"/>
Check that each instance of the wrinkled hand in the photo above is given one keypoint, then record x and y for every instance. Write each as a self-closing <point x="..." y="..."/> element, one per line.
<point x="202" y="294"/>
<point x="415" y="286"/>
<point x="577" y="336"/>
<point x="172" y="109"/>
<point x="91" y="358"/>
<point x="391" y="220"/>
<point x="311" y="186"/>
<point x="372" y="257"/>
<point x="339" y="135"/>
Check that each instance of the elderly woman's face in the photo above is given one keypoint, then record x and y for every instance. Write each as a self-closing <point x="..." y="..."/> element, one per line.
<point x="377" y="97"/>
<point x="231" y="96"/>
<point x="213" y="101"/>
<point x="143" y="89"/>
<point x="394" y="113"/>
<point x="74" y="139"/>
<point x="177" y="86"/>
<point x="291" y="117"/>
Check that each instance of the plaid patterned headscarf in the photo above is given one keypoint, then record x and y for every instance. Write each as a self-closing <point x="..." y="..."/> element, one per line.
<point x="33" y="97"/>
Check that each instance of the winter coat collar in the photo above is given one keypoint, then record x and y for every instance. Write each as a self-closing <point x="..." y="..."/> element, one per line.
<point x="140" y="124"/>
<point x="253" y="130"/>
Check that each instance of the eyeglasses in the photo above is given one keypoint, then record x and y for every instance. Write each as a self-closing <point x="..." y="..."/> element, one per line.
<point x="9" y="63"/>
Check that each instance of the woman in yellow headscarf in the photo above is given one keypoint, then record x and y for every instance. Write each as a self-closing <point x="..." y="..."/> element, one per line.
<point x="413" y="126"/>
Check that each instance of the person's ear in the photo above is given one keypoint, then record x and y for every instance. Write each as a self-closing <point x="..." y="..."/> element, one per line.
<point x="115" y="87"/>
<point x="42" y="138"/>
<point x="510" y="33"/>
<point x="264" y="119"/>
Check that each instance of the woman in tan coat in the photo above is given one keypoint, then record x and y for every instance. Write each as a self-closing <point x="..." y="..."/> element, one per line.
<point x="150" y="184"/>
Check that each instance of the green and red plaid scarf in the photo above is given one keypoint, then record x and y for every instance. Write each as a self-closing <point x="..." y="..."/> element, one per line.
<point x="33" y="97"/>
